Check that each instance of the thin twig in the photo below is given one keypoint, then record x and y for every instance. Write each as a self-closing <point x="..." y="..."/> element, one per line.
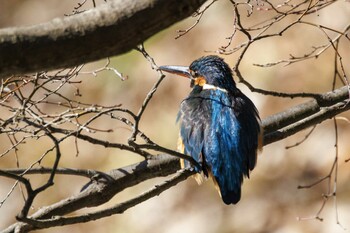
<point x="199" y="15"/>
<point x="149" y="96"/>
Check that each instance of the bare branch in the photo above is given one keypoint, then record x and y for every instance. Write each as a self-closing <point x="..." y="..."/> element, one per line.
<point x="117" y="209"/>
<point x="100" y="190"/>
<point x="106" y="67"/>
<point x="198" y="14"/>
<point x="62" y="171"/>
<point x="88" y="36"/>
<point x="149" y="96"/>
<point x="304" y="139"/>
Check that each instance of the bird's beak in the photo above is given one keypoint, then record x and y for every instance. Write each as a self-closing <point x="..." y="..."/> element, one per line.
<point x="179" y="70"/>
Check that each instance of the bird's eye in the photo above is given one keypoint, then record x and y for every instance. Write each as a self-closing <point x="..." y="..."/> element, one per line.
<point x="193" y="73"/>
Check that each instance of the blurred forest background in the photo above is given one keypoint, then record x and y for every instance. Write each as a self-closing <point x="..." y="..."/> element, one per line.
<point x="271" y="201"/>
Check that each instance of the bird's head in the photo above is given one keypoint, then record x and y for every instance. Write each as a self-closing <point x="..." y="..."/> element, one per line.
<point x="207" y="72"/>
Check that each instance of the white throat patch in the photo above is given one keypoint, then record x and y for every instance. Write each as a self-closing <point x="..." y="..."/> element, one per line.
<point x="212" y="87"/>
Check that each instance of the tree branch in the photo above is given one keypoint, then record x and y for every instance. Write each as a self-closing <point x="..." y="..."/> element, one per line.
<point x="116" y="209"/>
<point x="110" y="29"/>
<point x="326" y="106"/>
<point x="46" y="170"/>
<point x="101" y="189"/>
<point x="104" y="186"/>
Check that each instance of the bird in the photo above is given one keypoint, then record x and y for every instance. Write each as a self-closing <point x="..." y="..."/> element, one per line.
<point x="220" y="127"/>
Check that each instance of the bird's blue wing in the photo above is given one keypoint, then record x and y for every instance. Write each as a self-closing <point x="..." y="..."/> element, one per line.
<point x="230" y="151"/>
<point x="251" y="133"/>
<point x="223" y="153"/>
<point x="193" y="118"/>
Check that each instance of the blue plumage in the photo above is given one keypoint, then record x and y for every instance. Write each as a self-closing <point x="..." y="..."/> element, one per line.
<point x="219" y="126"/>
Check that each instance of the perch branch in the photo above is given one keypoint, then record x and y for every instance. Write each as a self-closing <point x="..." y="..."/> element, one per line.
<point x="101" y="190"/>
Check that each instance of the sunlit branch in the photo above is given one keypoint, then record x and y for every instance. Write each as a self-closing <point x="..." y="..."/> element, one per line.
<point x="117" y="209"/>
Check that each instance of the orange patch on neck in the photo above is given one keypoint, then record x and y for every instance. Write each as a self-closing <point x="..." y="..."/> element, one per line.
<point x="200" y="81"/>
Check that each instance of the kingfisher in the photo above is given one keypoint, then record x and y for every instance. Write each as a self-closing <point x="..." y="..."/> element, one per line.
<point x="220" y="127"/>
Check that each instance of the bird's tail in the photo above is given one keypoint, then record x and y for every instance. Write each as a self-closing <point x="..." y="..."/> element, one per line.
<point x="228" y="196"/>
<point x="231" y="196"/>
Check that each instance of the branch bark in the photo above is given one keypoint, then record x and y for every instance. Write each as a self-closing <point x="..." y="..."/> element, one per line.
<point x="108" y="30"/>
<point x="103" y="187"/>
<point x="293" y="120"/>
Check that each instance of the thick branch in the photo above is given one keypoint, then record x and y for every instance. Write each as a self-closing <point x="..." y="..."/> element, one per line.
<point x="116" y="209"/>
<point x="104" y="187"/>
<point x="110" y="29"/>
<point x="293" y="120"/>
